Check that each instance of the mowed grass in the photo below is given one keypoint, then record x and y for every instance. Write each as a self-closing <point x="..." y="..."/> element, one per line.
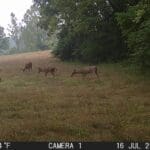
<point x="33" y="107"/>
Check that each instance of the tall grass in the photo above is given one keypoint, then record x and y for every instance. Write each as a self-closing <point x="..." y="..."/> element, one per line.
<point x="33" y="107"/>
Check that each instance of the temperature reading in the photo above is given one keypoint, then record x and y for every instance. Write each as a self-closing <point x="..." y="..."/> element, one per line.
<point x="5" y="145"/>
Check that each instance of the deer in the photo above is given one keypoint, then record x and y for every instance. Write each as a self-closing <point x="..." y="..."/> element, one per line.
<point x="28" y="66"/>
<point x="47" y="70"/>
<point x="85" y="71"/>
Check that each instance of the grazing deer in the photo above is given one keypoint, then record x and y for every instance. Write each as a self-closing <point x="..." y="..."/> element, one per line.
<point x="28" y="66"/>
<point x="52" y="70"/>
<point x="85" y="71"/>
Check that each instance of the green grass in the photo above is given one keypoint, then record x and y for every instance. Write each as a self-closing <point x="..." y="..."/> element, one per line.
<point x="33" y="107"/>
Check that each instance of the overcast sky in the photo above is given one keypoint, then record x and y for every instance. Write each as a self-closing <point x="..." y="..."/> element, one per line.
<point x="18" y="7"/>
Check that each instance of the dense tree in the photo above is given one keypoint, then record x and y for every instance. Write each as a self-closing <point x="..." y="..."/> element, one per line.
<point x="4" y="43"/>
<point x="98" y="30"/>
<point x="34" y="37"/>
<point x="27" y="35"/>
<point x="135" y="25"/>
<point x="14" y="30"/>
<point x="85" y="29"/>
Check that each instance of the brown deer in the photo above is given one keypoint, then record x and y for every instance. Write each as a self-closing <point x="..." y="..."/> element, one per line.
<point x="47" y="70"/>
<point x="28" y="66"/>
<point x="85" y="71"/>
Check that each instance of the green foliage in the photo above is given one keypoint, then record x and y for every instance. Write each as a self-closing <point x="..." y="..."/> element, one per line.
<point x="4" y="45"/>
<point x="27" y="35"/>
<point x="14" y="30"/>
<point x="135" y="25"/>
<point x="98" y="30"/>
<point x="34" y="38"/>
<point x="85" y="28"/>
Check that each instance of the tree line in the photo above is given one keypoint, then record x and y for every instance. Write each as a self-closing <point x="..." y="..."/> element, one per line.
<point x="25" y="35"/>
<point x="98" y="31"/>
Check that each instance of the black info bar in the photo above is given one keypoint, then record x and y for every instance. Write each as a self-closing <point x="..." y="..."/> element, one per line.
<point x="74" y="145"/>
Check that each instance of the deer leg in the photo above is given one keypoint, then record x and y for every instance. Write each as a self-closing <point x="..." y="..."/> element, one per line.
<point x="72" y="75"/>
<point x="96" y="73"/>
<point x="89" y="76"/>
<point x="53" y="74"/>
<point x="84" y="75"/>
<point x="45" y="74"/>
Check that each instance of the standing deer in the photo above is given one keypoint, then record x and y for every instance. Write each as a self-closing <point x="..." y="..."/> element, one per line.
<point x="28" y="66"/>
<point x="47" y="70"/>
<point x="85" y="71"/>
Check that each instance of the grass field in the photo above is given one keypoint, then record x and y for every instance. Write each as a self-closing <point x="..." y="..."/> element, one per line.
<point x="33" y="107"/>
